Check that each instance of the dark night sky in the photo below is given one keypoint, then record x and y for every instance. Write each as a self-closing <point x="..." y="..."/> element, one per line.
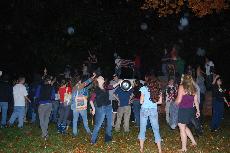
<point x="34" y="34"/>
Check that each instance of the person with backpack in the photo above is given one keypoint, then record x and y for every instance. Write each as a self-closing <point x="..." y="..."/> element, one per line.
<point x="45" y="93"/>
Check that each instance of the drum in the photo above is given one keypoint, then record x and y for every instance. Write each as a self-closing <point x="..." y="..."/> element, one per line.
<point x="126" y="85"/>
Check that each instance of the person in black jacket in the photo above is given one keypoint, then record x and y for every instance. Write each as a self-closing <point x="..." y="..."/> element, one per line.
<point x="44" y="95"/>
<point x="218" y="93"/>
<point x="5" y="97"/>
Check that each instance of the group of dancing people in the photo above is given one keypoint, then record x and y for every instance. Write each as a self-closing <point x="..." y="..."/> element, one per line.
<point x="110" y="103"/>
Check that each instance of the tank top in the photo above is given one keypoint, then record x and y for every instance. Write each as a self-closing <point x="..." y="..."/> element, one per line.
<point x="102" y="97"/>
<point x="187" y="101"/>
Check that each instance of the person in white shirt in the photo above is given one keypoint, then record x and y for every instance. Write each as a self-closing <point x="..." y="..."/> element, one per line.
<point x="209" y="67"/>
<point x="20" y="97"/>
<point x="112" y="99"/>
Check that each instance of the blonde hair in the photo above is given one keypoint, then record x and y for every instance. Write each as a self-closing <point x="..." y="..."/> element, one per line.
<point x="188" y="84"/>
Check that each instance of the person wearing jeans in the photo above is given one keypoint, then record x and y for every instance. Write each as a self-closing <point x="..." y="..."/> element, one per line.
<point x="217" y="103"/>
<point x="136" y="101"/>
<point x="5" y="98"/>
<point x="112" y="99"/>
<point x="102" y="113"/>
<point x="55" y="106"/>
<point x="170" y="96"/>
<point x="4" y="108"/>
<point x="79" y="102"/>
<point x="136" y="111"/>
<point x="45" y="94"/>
<point x="79" y="107"/>
<point x="171" y="108"/>
<point x="124" y="109"/>
<point x="64" y="108"/>
<point x="102" y="108"/>
<point x="150" y="96"/>
<point x="20" y="96"/>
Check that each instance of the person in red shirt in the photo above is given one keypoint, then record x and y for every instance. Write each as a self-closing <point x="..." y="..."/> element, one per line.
<point x="64" y="93"/>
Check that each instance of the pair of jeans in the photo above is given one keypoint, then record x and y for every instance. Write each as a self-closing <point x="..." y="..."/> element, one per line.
<point x="136" y="111"/>
<point x="4" y="109"/>
<point x="44" y="111"/>
<point x="209" y="79"/>
<point x="201" y="105"/>
<point x="83" y="114"/>
<point x="102" y="113"/>
<point x="63" y="114"/>
<point x="217" y="113"/>
<point x="167" y="111"/>
<point x="32" y="113"/>
<point x="173" y="115"/>
<point x="152" y="114"/>
<point x="126" y="112"/>
<point x="54" y="113"/>
<point x="18" y="113"/>
<point x="26" y="111"/>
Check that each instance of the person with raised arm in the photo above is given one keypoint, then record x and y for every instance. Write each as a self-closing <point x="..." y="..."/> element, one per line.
<point x="102" y="108"/>
<point x="79" y="103"/>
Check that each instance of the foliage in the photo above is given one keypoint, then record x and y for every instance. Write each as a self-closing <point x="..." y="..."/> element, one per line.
<point x="198" y="7"/>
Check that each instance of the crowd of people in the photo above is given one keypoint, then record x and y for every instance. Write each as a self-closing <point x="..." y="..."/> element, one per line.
<point x="61" y="101"/>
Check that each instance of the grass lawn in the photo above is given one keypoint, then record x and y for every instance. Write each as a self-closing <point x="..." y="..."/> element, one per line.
<point x="29" y="140"/>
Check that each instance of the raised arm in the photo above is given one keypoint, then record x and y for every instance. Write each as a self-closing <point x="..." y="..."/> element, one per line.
<point x="214" y="80"/>
<point x="92" y="99"/>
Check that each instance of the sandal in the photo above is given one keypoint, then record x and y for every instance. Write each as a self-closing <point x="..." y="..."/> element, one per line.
<point x="193" y="145"/>
<point x="182" y="150"/>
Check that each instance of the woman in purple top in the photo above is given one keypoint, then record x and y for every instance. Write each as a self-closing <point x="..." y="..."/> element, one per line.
<point x="186" y="99"/>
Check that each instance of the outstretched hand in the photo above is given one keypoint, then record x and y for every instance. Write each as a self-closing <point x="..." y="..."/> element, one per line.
<point x="93" y="111"/>
<point x="197" y="114"/>
<point x="94" y="75"/>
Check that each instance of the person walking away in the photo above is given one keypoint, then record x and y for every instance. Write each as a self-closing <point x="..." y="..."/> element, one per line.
<point x="124" y="109"/>
<point x="45" y="94"/>
<point x="64" y="93"/>
<point x="186" y="99"/>
<point x="20" y="98"/>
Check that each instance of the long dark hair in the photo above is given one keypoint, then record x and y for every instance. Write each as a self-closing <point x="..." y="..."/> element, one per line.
<point x="154" y="87"/>
<point x="136" y="89"/>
